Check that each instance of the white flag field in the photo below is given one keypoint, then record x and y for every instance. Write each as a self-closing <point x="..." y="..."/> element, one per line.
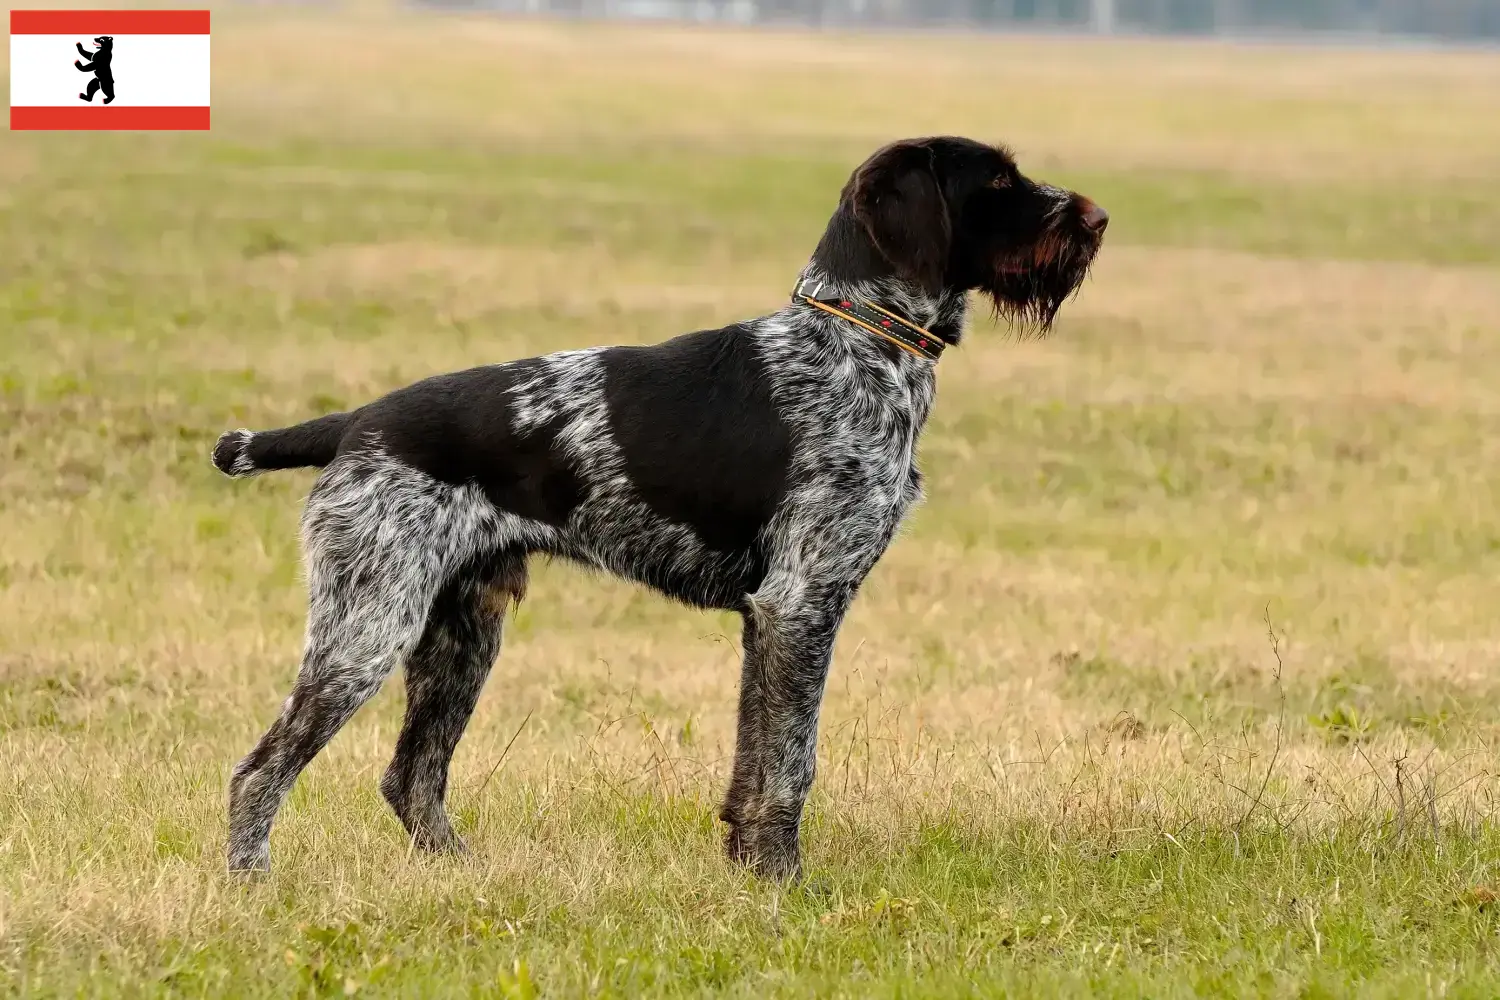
<point x="109" y="69"/>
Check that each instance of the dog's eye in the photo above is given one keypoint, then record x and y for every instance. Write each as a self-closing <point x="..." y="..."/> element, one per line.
<point x="1003" y="181"/>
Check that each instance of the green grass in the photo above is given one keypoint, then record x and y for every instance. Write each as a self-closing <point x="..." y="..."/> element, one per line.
<point x="944" y="913"/>
<point x="1180" y="684"/>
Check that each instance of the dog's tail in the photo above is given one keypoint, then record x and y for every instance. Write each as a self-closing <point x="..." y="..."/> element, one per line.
<point x="309" y="445"/>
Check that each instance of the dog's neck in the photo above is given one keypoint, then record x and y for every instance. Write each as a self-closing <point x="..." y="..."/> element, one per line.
<point x="848" y="264"/>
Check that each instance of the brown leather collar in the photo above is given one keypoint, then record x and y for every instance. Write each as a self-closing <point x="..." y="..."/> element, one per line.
<point x="875" y="318"/>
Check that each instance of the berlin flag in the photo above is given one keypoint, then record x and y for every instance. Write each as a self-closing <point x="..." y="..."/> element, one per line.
<point x="109" y="69"/>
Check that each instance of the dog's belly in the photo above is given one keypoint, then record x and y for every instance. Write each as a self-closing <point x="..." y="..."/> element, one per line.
<point x="628" y="540"/>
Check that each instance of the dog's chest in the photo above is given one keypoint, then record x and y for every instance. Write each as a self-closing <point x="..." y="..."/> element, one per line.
<point x="860" y="443"/>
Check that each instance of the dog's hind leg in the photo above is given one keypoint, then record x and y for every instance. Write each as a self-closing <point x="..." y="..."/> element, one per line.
<point x="380" y="547"/>
<point x="444" y="676"/>
<point x="352" y="647"/>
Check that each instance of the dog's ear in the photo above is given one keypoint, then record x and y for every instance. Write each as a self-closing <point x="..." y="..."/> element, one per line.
<point x="898" y="198"/>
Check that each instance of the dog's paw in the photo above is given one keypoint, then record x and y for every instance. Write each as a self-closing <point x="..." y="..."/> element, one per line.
<point x="768" y="852"/>
<point x="736" y="847"/>
<point x="448" y="843"/>
<point x="251" y="865"/>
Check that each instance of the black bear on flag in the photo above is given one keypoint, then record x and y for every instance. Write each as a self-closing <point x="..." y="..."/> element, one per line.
<point x="153" y="66"/>
<point x="104" y="77"/>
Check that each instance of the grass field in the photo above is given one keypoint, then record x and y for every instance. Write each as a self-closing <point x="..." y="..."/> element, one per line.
<point x="1183" y="682"/>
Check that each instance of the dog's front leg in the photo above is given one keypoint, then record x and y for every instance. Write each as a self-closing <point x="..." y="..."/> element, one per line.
<point x="789" y="635"/>
<point x="746" y="781"/>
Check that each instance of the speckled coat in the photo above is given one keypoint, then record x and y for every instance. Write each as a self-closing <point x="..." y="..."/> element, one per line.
<point x="762" y="468"/>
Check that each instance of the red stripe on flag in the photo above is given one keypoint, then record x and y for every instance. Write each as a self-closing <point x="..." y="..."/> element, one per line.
<point x="109" y="22"/>
<point x="107" y="119"/>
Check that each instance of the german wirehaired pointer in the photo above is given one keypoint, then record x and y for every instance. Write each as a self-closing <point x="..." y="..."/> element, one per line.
<point x="761" y="468"/>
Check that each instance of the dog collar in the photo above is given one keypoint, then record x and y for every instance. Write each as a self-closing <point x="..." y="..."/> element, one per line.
<point x="877" y="319"/>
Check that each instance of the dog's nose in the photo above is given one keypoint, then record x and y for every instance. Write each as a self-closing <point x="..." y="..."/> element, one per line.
<point x="1094" y="216"/>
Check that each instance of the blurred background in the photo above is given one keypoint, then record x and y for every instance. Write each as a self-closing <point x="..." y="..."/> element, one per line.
<point x="1182" y="682"/>
<point x="1463" y="20"/>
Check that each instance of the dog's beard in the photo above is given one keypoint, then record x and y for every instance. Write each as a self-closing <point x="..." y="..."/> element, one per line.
<point x="1028" y="288"/>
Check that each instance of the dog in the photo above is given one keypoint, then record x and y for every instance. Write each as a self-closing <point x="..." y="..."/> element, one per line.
<point x="99" y="65"/>
<point x="761" y="468"/>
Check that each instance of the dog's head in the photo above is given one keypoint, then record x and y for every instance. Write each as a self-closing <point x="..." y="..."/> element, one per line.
<point x="951" y="213"/>
<point x="105" y="42"/>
